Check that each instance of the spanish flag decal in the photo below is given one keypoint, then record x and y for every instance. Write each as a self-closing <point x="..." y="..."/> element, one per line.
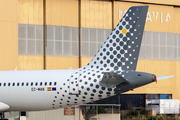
<point x="49" y="89"/>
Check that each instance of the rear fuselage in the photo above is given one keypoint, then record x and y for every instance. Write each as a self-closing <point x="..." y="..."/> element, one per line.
<point x="49" y="89"/>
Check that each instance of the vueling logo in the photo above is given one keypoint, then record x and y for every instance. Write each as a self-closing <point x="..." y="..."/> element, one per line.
<point x="156" y="15"/>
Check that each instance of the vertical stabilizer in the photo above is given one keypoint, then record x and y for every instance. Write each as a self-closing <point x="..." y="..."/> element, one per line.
<point x="121" y="49"/>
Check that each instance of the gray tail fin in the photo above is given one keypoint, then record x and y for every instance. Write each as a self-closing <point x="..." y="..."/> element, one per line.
<point x="121" y="49"/>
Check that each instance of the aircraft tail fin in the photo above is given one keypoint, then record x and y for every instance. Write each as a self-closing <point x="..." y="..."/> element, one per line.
<point x="121" y="49"/>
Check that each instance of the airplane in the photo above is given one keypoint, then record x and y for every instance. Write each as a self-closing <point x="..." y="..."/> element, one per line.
<point x="110" y="72"/>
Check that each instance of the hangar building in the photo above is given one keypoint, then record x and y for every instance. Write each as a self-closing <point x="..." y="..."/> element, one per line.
<point x="74" y="30"/>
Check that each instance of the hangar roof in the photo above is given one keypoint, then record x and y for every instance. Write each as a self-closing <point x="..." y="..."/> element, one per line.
<point x="164" y="2"/>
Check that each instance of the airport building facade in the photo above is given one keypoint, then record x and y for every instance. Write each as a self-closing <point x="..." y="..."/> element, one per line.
<point x="74" y="30"/>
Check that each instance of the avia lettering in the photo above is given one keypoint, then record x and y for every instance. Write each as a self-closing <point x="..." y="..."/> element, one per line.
<point x="150" y="15"/>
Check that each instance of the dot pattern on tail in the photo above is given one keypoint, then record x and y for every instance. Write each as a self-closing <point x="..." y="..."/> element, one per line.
<point x="118" y="54"/>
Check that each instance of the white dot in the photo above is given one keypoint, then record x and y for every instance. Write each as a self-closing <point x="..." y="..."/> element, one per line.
<point x="134" y="58"/>
<point x="136" y="9"/>
<point x="136" y="37"/>
<point x="134" y="29"/>
<point x="132" y="42"/>
<point x="127" y="66"/>
<point x="138" y="25"/>
<point x="133" y="13"/>
<point x="137" y="17"/>
<point x="139" y="33"/>
<point x="130" y="18"/>
<point x="131" y="62"/>
<point x="134" y="21"/>
<point x="130" y="54"/>
<point x="133" y="50"/>
<point x="137" y="46"/>
<point x="131" y="34"/>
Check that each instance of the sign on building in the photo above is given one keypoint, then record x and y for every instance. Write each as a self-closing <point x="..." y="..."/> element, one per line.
<point x="69" y="111"/>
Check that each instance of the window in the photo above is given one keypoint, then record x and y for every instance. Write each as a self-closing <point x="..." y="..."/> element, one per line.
<point x="30" y="39"/>
<point x="0" y="84"/>
<point x="27" y="84"/>
<point x="62" y="40"/>
<point x="165" y="96"/>
<point x="9" y="84"/>
<point x="50" y="83"/>
<point x="92" y="39"/>
<point x="152" y="96"/>
<point x="31" y="83"/>
<point x="160" y="46"/>
<point x="40" y="83"/>
<point x="4" y="84"/>
<point x="22" y="84"/>
<point x="17" y="84"/>
<point x="36" y="83"/>
<point x="13" y="84"/>
<point x="45" y="83"/>
<point x="55" y="83"/>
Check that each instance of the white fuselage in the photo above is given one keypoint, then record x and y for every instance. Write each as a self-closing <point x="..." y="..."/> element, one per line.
<point x="28" y="96"/>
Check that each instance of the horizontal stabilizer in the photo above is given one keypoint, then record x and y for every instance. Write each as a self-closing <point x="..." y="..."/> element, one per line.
<point x="164" y="77"/>
<point x="111" y="79"/>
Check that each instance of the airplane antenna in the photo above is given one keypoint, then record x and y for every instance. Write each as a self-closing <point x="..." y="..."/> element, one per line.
<point x="15" y="69"/>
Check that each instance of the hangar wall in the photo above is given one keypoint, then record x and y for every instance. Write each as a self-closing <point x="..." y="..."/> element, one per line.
<point x="162" y="2"/>
<point x="30" y="12"/>
<point x="63" y="13"/>
<point x="8" y="34"/>
<point x="90" y="18"/>
<point x="22" y="37"/>
<point x="58" y="13"/>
